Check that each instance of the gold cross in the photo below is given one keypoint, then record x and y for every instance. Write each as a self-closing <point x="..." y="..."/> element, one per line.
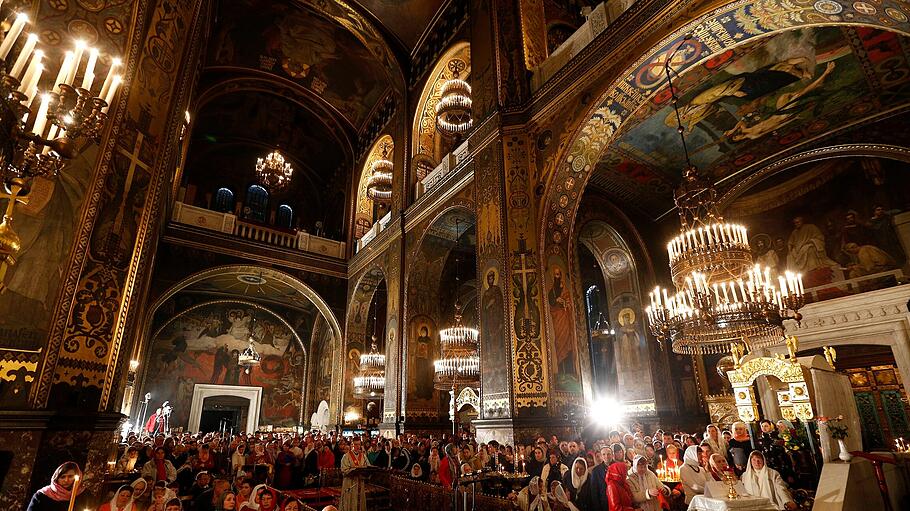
<point x="13" y="198"/>
<point x="130" y="174"/>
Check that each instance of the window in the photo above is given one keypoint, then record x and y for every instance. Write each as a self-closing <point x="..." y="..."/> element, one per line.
<point x="256" y="205"/>
<point x="285" y="216"/>
<point x="224" y="200"/>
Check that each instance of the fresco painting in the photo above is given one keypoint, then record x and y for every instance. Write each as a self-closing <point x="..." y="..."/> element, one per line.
<point x="830" y="221"/>
<point x="202" y="346"/>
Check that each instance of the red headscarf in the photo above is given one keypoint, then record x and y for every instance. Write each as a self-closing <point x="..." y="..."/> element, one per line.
<point x="57" y="492"/>
<point x="619" y="493"/>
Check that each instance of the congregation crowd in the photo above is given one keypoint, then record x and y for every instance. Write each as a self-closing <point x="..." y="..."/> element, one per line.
<point x="619" y="472"/>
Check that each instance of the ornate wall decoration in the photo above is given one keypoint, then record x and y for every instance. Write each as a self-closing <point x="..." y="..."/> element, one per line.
<point x="426" y="139"/>
<point x="533" y="32"/>
<point x="363" y="213"/>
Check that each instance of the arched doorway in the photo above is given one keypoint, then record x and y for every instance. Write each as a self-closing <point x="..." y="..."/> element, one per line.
<point x="367" y="317"/>
<point x="194" y="333"/>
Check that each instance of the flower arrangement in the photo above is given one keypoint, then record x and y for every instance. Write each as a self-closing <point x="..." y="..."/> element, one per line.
<point x="794" y="439"/>
<point x="836" y="428"/>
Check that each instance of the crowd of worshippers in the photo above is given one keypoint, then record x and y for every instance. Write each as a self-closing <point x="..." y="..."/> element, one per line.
<point x="196" y="472"/>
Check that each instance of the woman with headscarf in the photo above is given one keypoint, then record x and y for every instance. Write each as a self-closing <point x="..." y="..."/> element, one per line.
<point x="533" y="497"/>
<point x="761" y="480"/>
<point x="646" y="488"/>
<point x="715" y="439"/>
<point x="268" y="500"/>
<point x="575" y="483"/>
<point x="56" y="496"/>
<point x="433" y="463"/>
<point x="558" y="499"/>
<point x="717" y="465"/>
<point x="738" y="448"/>
<point x="692" y="474"/>
<point x="121" y="501"/>
<point x="448" y="467"/>
<point x="619" y="493"/>
<point x="238" y="459"/>
<point x="140" y="493"/>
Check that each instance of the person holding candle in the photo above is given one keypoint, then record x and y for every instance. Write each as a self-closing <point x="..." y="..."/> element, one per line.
<point x="647" y="491"/>
<point x="63" y="492"/>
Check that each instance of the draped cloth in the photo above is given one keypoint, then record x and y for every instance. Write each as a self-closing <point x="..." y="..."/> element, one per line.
<point x="353" y="489"/>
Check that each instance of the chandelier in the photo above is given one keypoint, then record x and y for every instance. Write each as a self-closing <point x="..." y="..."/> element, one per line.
<point x="370" y="382"/>
<point x="721" y="297"/>
<point x="249" y="357"/>
<point x="273" y="171"/>
<point x="41" y="120"/>
<point x="453" y="112"/>
<point x="460" y="346"/>
<point x="379" y="183"/>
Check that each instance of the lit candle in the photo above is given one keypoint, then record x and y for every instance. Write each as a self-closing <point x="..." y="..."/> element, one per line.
<point x="32" y="89"/>
<point x="733" y="291"/>
<point x="77" y="60"/>
<point x="701" y="236"/>
<point x="799" y="284"/>
<point x="51" y="135"/>
<point x="723" y="287"/>
<point x="110" y="93"/>
<point x="41" y="116"/>
<point x="783" y="284"/>
<point x="716" y="296"/>
<point x="27" y="49"/>
<point x="12" y="35"/>
<point x="742" y="291"/>
<point x="111" y="73"/>
<point x="90" y="69"/>
<point x="64" y="70"/>
<point x="74" y="492"/>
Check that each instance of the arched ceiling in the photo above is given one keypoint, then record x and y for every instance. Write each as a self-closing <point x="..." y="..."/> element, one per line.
<point x="326" y="48"/>
<point x="406" y="19"/>
<point x="746" y="105"/>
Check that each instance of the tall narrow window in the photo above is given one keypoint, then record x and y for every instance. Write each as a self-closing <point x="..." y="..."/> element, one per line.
<point x="224" y="200"/>
<point x="256" y="205"/>
<point x="285" y="216"/>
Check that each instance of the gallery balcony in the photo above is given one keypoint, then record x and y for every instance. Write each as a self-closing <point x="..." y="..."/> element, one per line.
<point x="227" y="233"/>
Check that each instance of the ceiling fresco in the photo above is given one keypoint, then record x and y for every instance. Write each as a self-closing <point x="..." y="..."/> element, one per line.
<point x="295" y="44"/>
<point x="749" y="103"/>
<point x="251" y="285"/>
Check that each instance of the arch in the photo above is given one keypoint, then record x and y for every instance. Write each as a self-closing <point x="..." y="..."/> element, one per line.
<point x="256" y="203"/>
<point x="699" y="41"/>
<point x="224" y="200"/>
<point x="356" y="329"/>
<point x="365" y="214"/>
<point x="284" y="216"/>
<point x="425" y="140"/>
<point x="279" y="276"/>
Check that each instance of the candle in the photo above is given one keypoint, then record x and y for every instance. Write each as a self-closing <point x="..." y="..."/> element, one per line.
<point x="782" y="283"/>
<point x="32" y="74"/>
<point x="41" y="116"/>
<point x="799" y="284"/>
<point x="64" y="70"/>
<point x="110" y="93"/>
<point x="77" y="59"/>
<point x="12" y="35"/>
<point x="115" y="63"/>
<point x="74" y="492"/>
<point x="26" y="52"/>
<point x="723" y="287"/>
<point x="89" y="76"/>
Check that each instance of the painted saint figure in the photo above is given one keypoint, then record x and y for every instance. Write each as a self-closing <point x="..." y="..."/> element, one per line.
<point x="559" y="299"/>
<point x="423" y="364"/>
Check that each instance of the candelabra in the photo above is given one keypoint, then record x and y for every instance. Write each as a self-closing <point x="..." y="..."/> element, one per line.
<point x="370" y="382"/>
<point x="274" y="171"/>
<point x="720" y="295"/>
<point x="41" y="121"/>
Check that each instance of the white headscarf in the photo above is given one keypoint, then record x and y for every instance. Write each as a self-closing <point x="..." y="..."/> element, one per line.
<point x="761" y="483"/>
<point x="560" y="494"/>
<point x="145" y="488"/>
<point x="129" y="504"/>
<point x="533" y="499"/>
<point x="690" y="458"/>
<point x="577" y="481"/>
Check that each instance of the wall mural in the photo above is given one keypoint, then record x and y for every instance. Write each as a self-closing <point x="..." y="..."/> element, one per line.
<point x="830" y="221"/>
<point x="202" y="344"/>
<point x="323" y="353"/>
<point x="297" y="45"/>
<point x="424" y="350"/>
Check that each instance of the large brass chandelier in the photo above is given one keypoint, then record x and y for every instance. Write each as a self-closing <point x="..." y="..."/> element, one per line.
<point x="41" y="120"/>
<point x="459" y="344"/>
<point x="453" y="112"/>
<point x="379" y="182"/>
<point x="370" y="382"/>
<point x="273" y="171"/>
<point x="721" y="297"/>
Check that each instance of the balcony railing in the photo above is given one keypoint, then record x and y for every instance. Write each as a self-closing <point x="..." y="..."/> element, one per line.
<point x="228" y="223"/>
<point x="374" y="231"/>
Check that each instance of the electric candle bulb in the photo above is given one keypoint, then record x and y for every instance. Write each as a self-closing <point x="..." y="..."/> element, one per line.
<point x="12" y="35"/>
<point x="90" y="69"/>
<point x="68" y="58"/>
<point x="77" y="60"/>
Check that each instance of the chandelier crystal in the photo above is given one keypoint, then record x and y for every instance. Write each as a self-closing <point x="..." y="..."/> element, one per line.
<point x="453" y="112"/>
<point x="273" y="171"/>
<point x="370" y="382"/>
<point x="720" y="296"/>
<point x="379" y="182"/>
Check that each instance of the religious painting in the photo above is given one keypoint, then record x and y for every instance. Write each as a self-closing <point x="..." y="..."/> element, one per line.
<point x="424" y="350"/>
<point x="202" y="345"/>
<point x="832" y="221"/>
<point x="46" y="227"/>
<point x="493" y="337"/>
<point x="559" y="298"/>
<point x="753" y="101"/>
<point x="298" y="45"/>
<point x="324" y="358"/>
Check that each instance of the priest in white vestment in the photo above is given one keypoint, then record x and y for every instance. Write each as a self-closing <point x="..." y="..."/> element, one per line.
<point x="353" y="489"/>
